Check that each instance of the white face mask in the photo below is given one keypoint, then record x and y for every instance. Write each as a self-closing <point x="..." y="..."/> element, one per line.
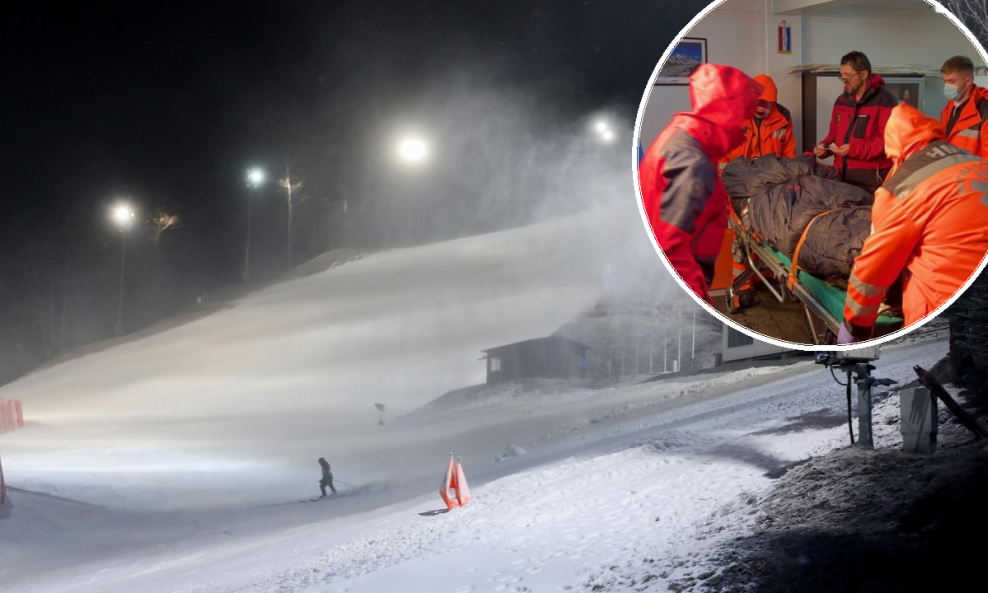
<point x="953" y="93"/>
<point x="949" y="91"/>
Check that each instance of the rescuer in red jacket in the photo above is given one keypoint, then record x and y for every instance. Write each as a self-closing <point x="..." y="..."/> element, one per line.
<point x="857" y="125"/>
<point x="683" y="198"/>
<point x="930" y="223"/>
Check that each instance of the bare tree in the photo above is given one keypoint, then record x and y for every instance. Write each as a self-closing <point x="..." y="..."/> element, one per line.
<point x="973" y="13"/>
<point x="291" y="189"/>
<point x="161" y="222"/>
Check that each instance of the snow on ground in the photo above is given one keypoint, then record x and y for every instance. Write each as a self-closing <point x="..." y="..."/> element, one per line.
<point x="229" y="409"/>
<point x="178" y="462"/>
<point x="631" y="501"/>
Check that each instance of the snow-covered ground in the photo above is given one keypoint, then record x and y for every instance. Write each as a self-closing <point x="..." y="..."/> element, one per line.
<point x="176" y="463"/>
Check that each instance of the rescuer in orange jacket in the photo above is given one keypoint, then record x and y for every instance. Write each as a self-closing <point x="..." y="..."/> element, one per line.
<point x="769" y="130"/>
<point x="683" y="198"/>
<point x="930" y="218"/>
<point x="965" y="116"/>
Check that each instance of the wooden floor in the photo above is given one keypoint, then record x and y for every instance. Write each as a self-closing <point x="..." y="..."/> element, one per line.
<point x="782" y="321"/>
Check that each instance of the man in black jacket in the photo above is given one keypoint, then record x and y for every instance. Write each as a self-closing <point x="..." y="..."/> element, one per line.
<point x="327" y="477"/>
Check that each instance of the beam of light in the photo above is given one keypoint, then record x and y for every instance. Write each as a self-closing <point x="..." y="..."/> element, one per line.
<point x="603" y="130"/>
<point x="122" y="215"/>
<point x="412" y="150"/>
<point x="255" y="177"/>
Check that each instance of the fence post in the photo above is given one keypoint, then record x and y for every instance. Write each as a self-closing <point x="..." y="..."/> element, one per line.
<point x="11" y="415"/>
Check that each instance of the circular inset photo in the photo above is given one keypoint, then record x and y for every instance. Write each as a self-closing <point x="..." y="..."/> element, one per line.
<point x="814" y="172"/>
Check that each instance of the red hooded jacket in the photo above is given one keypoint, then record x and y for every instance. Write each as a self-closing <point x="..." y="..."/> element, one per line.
<point x="930" y="218"/>
<point x="682" y="196"/>
<point x="862" y="125"/>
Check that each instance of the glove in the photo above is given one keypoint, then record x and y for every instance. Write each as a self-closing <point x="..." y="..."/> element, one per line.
<point x="845" y="337"/>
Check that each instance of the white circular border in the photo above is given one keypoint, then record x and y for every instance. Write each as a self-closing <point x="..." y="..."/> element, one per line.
<point x="782" y="344"/>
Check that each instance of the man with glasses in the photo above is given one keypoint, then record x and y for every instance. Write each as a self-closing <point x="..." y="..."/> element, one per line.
<point x="965" y="117"/>
<point x="857" y="125"/>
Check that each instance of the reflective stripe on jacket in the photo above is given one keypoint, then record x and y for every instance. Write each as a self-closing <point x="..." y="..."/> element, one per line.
<point x="683" y="198"/>
<point x="970" y="131"/>
<point x="773" y="135"/>
<point x="930" y="218"/>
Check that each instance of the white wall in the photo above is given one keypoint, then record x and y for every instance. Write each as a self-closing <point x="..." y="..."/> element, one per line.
<point x="733" y="31"/>
<point x="755" y="349"/>
<point x="889" y="37"/>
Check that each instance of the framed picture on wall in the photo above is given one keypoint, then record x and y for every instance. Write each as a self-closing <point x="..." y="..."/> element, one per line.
<point x="688" y="54"/>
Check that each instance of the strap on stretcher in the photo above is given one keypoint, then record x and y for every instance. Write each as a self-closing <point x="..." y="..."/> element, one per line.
<point x="791" y="280"/>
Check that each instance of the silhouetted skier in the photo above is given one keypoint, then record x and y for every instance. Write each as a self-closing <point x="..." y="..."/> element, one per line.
<point x="327" y="477"/>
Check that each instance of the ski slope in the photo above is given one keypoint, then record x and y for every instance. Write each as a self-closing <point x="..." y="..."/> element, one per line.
<point x="625" y="487"/>
<point x="176" y="462"/>
<point x="234" y="409"/>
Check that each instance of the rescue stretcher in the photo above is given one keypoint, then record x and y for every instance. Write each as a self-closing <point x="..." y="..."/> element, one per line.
<point x="823" y="303"/>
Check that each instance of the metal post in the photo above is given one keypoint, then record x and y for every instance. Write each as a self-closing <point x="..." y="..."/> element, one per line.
<point x="288" y="178"/>
<point x="123" y="260"/>
<point x="864" y="382"/>
<point x="693" y="347"/>
<point x="665" y="349"/>
<point x="246" y="274"/>
<point x="918" y="421"/>
<point x="679" y="356"/>
<point x="651" y="349"/>
<point x="637" y="353"/>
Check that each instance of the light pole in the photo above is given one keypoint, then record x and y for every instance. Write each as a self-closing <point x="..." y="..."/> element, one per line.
<point x="255" y="177"/>
<point x="413" y="152"/>
<point x="290" y="187"/>
<point x="693" y="347"/>
<point x="123" y="217"/>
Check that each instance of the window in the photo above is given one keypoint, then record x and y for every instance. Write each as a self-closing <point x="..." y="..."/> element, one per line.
<point x="495" y="363"/>
<point x="736" y="338"/>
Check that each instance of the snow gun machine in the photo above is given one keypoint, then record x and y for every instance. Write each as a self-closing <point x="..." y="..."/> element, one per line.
<point x="865" y="354"/>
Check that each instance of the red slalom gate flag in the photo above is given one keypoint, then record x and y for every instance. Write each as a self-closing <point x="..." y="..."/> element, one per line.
<point x="462" y="489"/>
<point x="454" y="490"/>
<point x="449" y="483"/>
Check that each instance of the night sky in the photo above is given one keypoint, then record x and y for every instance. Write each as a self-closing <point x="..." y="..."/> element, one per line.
<point x="168" y="104"/>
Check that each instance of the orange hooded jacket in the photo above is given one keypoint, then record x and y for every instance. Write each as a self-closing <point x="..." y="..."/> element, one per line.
<point x="772" y="134"/>
<point x="970" y="131"/>
<point x="930" y="218"/>
<point x="682" y="196"/>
